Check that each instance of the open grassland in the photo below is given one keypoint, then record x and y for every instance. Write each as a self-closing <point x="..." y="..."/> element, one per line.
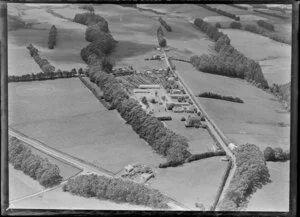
<point x="57" y="199"/>
<point x="274" y="57"/>
<point x="65" y="115"/>
<point x="274" y="197"/>
<point x="65" y="56"/>
<point x="254" y="120"/>
<point x="21" y="185"/>
<point x="194" y="182"/>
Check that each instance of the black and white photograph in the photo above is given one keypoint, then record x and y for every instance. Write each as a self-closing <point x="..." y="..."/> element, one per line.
<point x="148" y="107"/>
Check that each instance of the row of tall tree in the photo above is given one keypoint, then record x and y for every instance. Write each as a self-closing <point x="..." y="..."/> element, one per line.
<point x="97" y="32"/>
<point x="40" y="169"/>
<point x="219" y="11"/>
<point x="162" y="41"/>
<point x="115" y="189"/>
<point x="160" y="138"/>
<point x="43" y="63"/>
<point x="45" y="76"/>
<point x="52" y="37"/>
<point x="228" y="61"/>
<point x="251" y="174"/>
<point x="165" y="25"/>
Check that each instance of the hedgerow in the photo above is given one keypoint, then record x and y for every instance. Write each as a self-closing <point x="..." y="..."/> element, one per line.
<point x="218" y="96"/>
<point x="276" y="154"/>
<point x="251" y="173"/>
<point x="40" y="169"/>
<point x="115" y="189"/>
<point x="235" y="25"/>
<point x="266" y="25"/>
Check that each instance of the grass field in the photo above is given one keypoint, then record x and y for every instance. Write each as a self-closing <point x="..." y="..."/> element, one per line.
<point x="57" y="199"/>
<point x="65" y="115"/>
<point x="193" y="182"/>
<point x="272" y="197"/>
<point x="274" y="57"/>
<point x="21" y="185"/>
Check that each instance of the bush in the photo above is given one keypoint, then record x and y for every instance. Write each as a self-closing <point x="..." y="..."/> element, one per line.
<point x="52" y="37"/>
<point x="88" y="19"/>
<point x="251" y="174"/>
<point x="266" y="25"/>
<point x="87" y="7"/>
<point x="235" y="25"/>
<point x="165" y="25"/>
<point x="218" y="25"/>
<point x="183" y="119"/>
<point x="115" y="189"/>
<point x="218" y="96"/>
<point x="276" y="154"/>
<point x="40" y="169"/>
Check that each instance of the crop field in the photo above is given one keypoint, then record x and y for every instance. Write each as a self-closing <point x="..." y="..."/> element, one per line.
<point x="21" y="185"/>
<point x="274" y="57"/>
<point x="279" y="201"/>
<point x="57" y="199"/>
<point x="65" y="115"/>
<point x="193" y="182"/>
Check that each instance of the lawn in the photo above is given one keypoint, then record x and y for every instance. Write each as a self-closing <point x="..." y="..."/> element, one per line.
<point x="21" y="185"/>
<point x="192" y="182"/>
<point x="274" y="196"/>
<point x="65" y="115"/>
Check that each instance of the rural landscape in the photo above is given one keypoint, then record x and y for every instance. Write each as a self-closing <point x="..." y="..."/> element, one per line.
<point x="149" y="106"/>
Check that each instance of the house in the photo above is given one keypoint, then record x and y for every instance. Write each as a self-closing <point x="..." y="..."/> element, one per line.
<point x="178" y="109"/>
<point x="149" y="86"/>
<point x="141" y="91"/>
<point x="128" y="168"/>
<point x="232" y="146"/>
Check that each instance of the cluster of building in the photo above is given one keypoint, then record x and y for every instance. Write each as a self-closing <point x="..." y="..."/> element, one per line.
<point x="138" y="173"/>
<point x="155" y="57"/>
<point x="122" y="71"/>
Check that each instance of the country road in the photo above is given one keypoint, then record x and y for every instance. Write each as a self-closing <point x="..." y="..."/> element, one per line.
<point x="214" y="129"/>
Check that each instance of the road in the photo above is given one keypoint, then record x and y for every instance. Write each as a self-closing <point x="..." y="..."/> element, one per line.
<point x="214" y="129"/>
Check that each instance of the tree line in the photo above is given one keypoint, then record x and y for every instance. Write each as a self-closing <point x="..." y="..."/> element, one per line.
<point x="40" y="169"/>
<point x="251" y="174"/>
<point x="45" y="76"/>
<point x="271" y="14"/>
<point x="162" y="41"/>
<point x="239" y="6"/>
<point x="160" y="138"/>
<point x="228" y="61"/>
<point x="115" y="189"/>
<point x="165" y="25"/>
<point x="219" y="11"/>
<point x="276" y="154"/>
<point x="97" y="32"/>
<point x="218" y="96"/>
<point x="52" y="37"/>
<point x="43" y="63"/>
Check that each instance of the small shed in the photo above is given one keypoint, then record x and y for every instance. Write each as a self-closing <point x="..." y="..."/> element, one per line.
<point x="128" y="168"/>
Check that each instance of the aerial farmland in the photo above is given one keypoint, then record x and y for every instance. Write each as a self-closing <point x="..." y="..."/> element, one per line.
<point x="149" y="107"/>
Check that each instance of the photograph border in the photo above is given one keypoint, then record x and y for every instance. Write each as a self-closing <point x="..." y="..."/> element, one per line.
<point x="4" y="118"/>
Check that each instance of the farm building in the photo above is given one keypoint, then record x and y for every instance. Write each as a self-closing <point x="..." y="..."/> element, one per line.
<point x="176" y="96"/>
<point x="146" y="176"/>
<point x="149" y="86"/>
<point x="178" y="109"/>
<point x="232" y="146"/>
<point x="128" y="168"/>
<point x="176" y="91"/>
<point x="190" y="109"/>
<point x="141" y="91"/>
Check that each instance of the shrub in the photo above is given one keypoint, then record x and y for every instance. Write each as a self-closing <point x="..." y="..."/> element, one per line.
<point x="21" y="157"/>
<point x="183" y="119"/>
<point x="252" y="28"/>
<point x="266" y="25"/>
<point x="115" y="189"/>
<point x="165" y="25"/>
<point x="87" y="7"/>
<point x="269" y="154"/>
<point x="235" y="25"/>
<point x="218" y="25"/>
<point x="88" y="19"/>
<point x="52" y="37"/>
<point x="276" y="154"/>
